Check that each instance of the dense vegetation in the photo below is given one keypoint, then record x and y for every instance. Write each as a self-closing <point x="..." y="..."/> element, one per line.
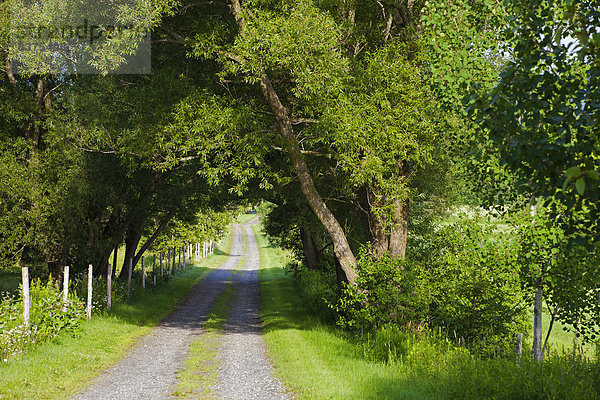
<point x="361" y="127"/>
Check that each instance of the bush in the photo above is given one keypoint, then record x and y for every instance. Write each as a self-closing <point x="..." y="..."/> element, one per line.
<point x="47" y="318"/>
<point x="479" y="297"/>
<point x="388" y="291"/>
<point x="468" y="285"/>
<point x="318" y="288"/>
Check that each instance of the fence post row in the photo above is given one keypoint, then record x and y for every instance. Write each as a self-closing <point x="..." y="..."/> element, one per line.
<point x="88" y="308"/>
<point x="189" y="252"/>
<point x="26" y="300"/>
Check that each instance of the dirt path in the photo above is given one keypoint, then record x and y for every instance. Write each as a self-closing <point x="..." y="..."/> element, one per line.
<point x="149" y="370"/>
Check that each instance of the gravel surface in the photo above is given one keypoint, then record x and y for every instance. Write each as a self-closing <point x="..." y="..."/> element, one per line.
<point x="245" y="371"/>
<point x="149" y="369"/>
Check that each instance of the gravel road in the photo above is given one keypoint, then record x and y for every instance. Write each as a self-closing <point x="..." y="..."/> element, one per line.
<point x="149" y="369"/>
<point x="245" y="371"/>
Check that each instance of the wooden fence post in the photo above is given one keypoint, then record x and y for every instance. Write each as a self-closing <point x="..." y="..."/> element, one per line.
<point x="154" y="268"/>
<point x="129" y="277"/>
<point x="26" y="299"/>
<point x="519" y="344"/>
<point x="173" y="261"/>
<point x="88" y="308"/>
<point x="109" y="287"/>
<point x="161" y="267"/>
<point x="143" y="273"/>
<point x="65" y="287"/>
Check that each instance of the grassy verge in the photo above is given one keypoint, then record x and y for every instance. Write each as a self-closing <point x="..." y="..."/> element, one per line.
<point x="56" y="369"/>
<point x="318" y="361"/>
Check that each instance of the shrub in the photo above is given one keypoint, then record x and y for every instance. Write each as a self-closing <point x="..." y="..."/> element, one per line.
<point x="47" y="318"/>
<point x="389" y="291"/>
<point x="480" y="298"/>
<point x="468" y="285"/>
<point x="318" y="288"/>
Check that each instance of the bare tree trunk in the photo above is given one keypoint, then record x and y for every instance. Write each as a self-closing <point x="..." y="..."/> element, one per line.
<point x="131" y="242"/>
<point x="399" y="234"/>
<point x="308" y="246"/>
<point x="114" y="266"/>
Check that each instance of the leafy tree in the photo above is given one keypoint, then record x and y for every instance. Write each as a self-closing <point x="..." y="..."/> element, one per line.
<point x="542" y="118"/>
<point x="340" y="80"/>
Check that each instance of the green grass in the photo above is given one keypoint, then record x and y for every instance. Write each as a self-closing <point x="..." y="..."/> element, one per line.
<point x="319" y="361"/>
<point x="56" y="369"/>
<point x="315" y="360"/>
<point x="245" y="218"/>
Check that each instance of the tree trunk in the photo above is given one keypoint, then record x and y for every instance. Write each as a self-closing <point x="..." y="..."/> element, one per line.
<point x="391" y="240"/>
<point x="113" y="272"/>
<point x="341" y="247"/>
<point x="377" y="226"/>
<point x="340" y="277"/>
<point x="56" y="271"/>
<point x="399" y="234"/>
<point x="131" y="243"/>
<point x="537" y="320"/>
<point x="308" y="246"/>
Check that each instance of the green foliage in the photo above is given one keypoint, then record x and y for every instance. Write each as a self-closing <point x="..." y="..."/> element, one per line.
<point x="47" y="318"/>
<point x="476" y="275"/>
<point x="565" y="271"/>
<point x="469" y="285"/>
<point x="559" y="377"/>
<point x="462" y="55"/>
<point x="319" y="361"/>
<point x="542" y="115"/>
<point x="317" y="288"/>
<point x="389" y="291"/>
<point x="391" y="343"/>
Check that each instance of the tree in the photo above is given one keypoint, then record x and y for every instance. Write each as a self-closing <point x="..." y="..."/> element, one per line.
<point x="542" y="118"/>
<point x="340" y="79"/>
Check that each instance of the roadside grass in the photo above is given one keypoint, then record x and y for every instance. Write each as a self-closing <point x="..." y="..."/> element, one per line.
<point x="62" y="367"/>
<point x="319" y="361"/>
<point x="316" y="360"/>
